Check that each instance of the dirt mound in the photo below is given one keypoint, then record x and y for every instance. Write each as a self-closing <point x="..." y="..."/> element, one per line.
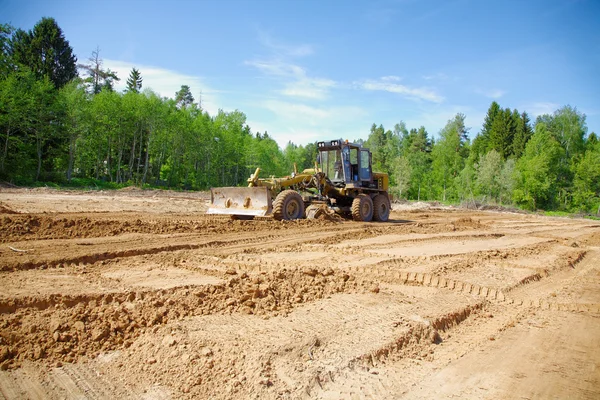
<point x="35" y="227"/>
<point x="592" y="239"/>
<point x="65" y="328"/>
<point x="6" y="210"/>
<point x="467" y="222"/>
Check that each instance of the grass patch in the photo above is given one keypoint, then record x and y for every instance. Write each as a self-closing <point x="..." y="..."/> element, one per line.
<point x="559" y="214"/>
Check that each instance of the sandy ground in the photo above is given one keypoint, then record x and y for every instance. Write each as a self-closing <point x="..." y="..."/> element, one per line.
<point x="138" y="294"/>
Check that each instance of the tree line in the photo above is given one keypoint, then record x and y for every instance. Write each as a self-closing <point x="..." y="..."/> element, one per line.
<point x="58" y="126"/>
<point x="553" y="164"/>
<point x="62" y="121"/>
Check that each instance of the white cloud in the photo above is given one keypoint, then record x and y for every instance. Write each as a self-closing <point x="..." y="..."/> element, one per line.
<point x="313" y="88"/>
<point x="165" y="82"/>
<point x="541" y="108"/>
<point x="297" y="111"/>
<point x="418" y="93"/>
<point x="294" y="78"/>
<point x="491" y="93"/>
<point x="300" y="50"/>
<point x="302" y="123"/>
<point x="440" y="76"/>
<point x="391" y="78"/>
<point x="277" y="68"/>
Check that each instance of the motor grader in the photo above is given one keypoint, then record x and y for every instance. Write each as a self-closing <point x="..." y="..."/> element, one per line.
<point x="342" y="181"/>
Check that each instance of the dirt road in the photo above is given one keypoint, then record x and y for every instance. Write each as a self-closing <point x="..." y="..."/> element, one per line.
<point x="138" y="294"/>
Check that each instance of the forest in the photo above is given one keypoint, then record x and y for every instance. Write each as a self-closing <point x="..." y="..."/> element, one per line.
<point x="62" y="122"/>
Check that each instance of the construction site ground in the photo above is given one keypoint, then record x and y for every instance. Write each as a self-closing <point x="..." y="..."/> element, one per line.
<point x="137" y="294"/>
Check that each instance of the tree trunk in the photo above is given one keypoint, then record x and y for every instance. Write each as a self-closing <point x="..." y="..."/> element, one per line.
<point x="139" y="160"/>
<point x="108" y="161"/>
<point x="132" y="156"/>
<point x="71" y="158"/>
<point x="39" y="156"/>
<point x="146" y="160"/>
<point x="5" y="150"/>
<point x="119" y="176"/>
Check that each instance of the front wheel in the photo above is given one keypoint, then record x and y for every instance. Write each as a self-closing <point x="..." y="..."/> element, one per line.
<point x="288" y="205"/>
<point x="362" y="208"/>
<point x="381" y="208"/>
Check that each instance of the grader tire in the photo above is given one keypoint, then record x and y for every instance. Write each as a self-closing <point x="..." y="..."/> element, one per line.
<point x="288" y="205"/>
<point x="381" y="208"/>
<point x="362" y="208"/>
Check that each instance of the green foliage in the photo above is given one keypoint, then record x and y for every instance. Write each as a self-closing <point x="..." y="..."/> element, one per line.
<point x="489" y="170"/>
<point x="28" y="106"/>
<point x="523" y="133"/>
<point x="6" y="31"/>
<point x="46" y="52"/>
<point x="55" y="127"/>
<point x="184" y="97"/>
<point x="98" y="78"/>
<point x="401" y="175"/>
<point x="134" y="82"/>
<point x="385" y="146"/>
<point x="538" y="171"/>
<point x="303" y="156"/>
<point x="449" y="154"/>
<point x="587" y="181"/>
<point x="504" y="131"/>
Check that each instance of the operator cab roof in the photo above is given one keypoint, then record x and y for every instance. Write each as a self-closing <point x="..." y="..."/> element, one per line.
<point x="336" y="144"/>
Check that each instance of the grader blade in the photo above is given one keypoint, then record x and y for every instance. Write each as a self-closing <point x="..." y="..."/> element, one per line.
<point x="240" y="201"/>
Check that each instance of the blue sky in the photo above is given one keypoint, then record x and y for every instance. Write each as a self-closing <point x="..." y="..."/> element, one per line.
<point x="317" y="69"/>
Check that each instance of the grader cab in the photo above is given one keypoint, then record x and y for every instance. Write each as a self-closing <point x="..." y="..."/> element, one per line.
<point x="342" y="181"/>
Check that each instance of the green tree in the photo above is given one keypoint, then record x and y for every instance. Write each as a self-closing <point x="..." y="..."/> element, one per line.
<point x="98" y="78"/>
<point x="134" y="82"/>
<point x="568" y="127"/>
<point x="591" y="141"/>
<point x="523" y="133"/>
<point x="30" y="119"/>
<point x="184" y="98"/>
<point x="417" y="149"/>
<point x="376" y="142"/>
<point x="449" y="154"/>
<point x="401" y="174"/>
<point x="6" y="67"/>
<point x="502" y="132"/>
<point x="489" y="170"/>
<point x="76" y="106"/>
<point x="538" y="169"/>
<point x="587" y="180"/>
<point x="16" y="106"/>
<point x="507" y="181"/>
<point x="481" y="143"/>
<point x="46" y="52"/>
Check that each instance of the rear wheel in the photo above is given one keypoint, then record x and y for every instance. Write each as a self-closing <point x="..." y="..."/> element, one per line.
<point x="362" y="208"/>
<point x="288" y="205"/>
<point x="381" y="208"/>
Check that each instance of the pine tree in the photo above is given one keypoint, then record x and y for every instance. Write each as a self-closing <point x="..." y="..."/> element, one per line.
<point x="184" y="97"/>
<point x="134" y="82"/>
<point x="484" y="135"/>
<point x="46" y="52"/>
<point x="502" y="133"/>
<point x="523" y="133"/>
<point x="419" y="157"/>
<point x="6" y="31"/>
